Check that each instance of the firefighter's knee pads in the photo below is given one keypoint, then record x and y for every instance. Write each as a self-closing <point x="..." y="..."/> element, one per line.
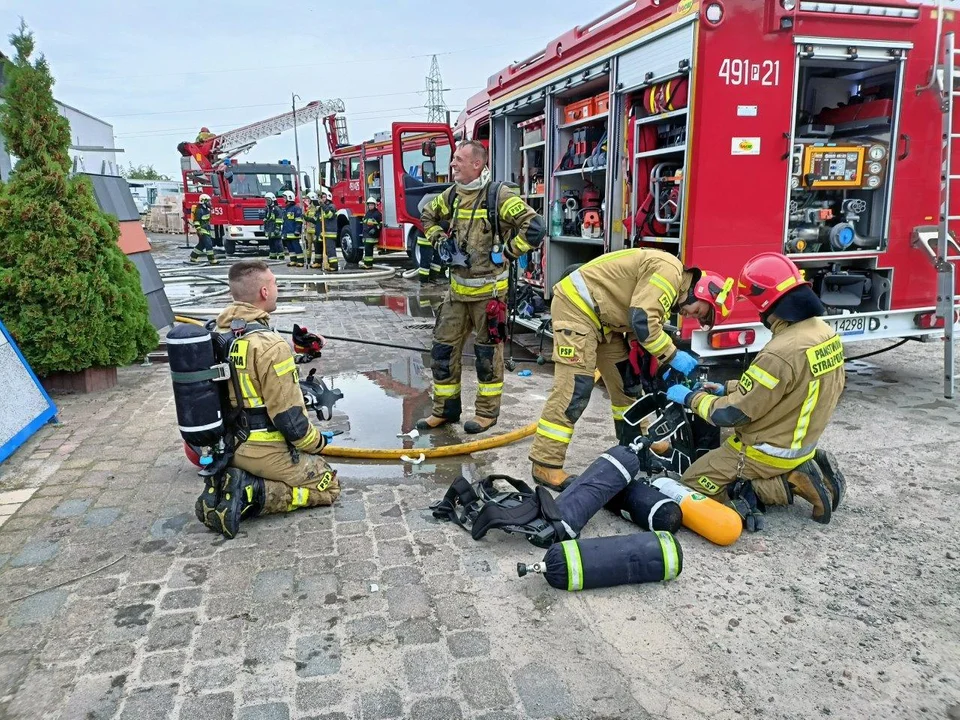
<point x="582" y="387"/>
<point x="441" y="356"/>
<point x="486" y="357"/>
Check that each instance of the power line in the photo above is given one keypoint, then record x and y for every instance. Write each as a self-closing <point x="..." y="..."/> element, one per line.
<point x="436" y="108"/>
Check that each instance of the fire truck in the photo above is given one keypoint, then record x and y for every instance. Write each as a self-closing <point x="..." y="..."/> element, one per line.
<point x="402" y="168"/>
<point x="236" y="190"/>
<point x="719" y="129"/>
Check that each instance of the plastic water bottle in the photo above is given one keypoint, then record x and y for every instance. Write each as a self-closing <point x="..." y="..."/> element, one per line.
<point x="556" y="220"/>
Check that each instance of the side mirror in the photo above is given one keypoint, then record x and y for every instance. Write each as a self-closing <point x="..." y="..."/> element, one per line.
<point x="429" y="149"/>
<point x="428" y="171"/>
<point x="306" y="181"/>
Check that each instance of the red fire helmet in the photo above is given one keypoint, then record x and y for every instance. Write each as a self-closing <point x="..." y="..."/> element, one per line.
<point x="717" y="291"/>
<point x="766" y="278"/>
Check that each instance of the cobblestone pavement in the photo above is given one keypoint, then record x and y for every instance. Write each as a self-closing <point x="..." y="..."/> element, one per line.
<point x="373" y="610"/>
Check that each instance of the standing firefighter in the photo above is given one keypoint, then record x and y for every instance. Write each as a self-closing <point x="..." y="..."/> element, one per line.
<point x="326" y="232"/>
<point x="372" y="225"/>
<point x="202" y="212"/>
<point x="593" y="309"/>
<point x="479" y="214"/>
<point x="310" y="226"/>
<point x="430" y="267"/>
<point x="273" y="226"/>
<point x="293" y="229"/>
<point x="779" y="407"/>
<point x="278" y="468"/>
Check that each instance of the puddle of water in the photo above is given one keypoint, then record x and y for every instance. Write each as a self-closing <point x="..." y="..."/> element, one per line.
<point x="410" y="305"/>
<point x="184" y="291"/>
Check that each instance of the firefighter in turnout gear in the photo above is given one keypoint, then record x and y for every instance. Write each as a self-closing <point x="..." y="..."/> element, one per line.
<point x="202" y="212"/>
<point x="310" y="226"/>
<point x="780" y="406"/>
<point x="594" y="310"/>
<point x="326" y="233"/>
<point x="278" y="468"/>
<point x="372" y="225"/>
<point x="293" y="229"/>
<point x="273" y="225"/>
<point x="489" y="227"/>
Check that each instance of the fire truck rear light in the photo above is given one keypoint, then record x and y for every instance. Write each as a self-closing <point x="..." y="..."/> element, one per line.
<point x="713" y="13"/>
<point x="725" y="339"/>
<point x="927" y="321"/>
<point x="867" y="10"/>
<point x="788" y="5"/>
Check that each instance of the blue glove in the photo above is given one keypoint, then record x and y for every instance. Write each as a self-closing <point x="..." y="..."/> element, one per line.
<point x="678" y="394"/>
<point x="710" y="387"/>
<point x="684" y="362"/>
<point x="328" y="435"/>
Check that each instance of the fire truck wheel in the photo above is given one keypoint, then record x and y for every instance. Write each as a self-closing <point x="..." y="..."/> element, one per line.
<point x="413" y="251"/>
<point x="352" y="251"/>
<point x="230" y="246"/>
<point x="218" y="235"/>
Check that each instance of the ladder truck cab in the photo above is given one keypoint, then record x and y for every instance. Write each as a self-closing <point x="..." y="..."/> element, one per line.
<point x="720" y="129"/>
<point x="237" y="189"/>
<point x="401" y="168"/>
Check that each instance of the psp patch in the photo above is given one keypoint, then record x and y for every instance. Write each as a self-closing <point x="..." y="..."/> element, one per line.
<point x="566" y="351"/>
<point x="325" y="480"/>
<point x="709" y="485"/>
<point x="745" y="385"/>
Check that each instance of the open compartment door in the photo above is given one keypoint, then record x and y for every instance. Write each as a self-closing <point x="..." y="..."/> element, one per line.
<point x="421" y="165"/>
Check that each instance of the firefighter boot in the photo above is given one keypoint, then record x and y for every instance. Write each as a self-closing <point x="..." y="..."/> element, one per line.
<point x="832" y="476"/>
<point x="479" y="425"/>
<point x="806" y="480"/>
<point x="207" y="503"/>
<point x="432" y="423"/>
<point x="244" y="495"/>
<point x="553" y="478"/>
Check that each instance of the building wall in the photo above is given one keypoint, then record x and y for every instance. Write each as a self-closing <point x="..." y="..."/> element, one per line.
<point x="87" y="131"/>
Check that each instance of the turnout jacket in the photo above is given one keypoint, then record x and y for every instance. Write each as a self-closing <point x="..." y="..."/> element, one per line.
<point x="468" y="218"/>
<point x="783" y="402"/>
<point x="272" y="220"/>
<point x="310" y="216"/>
<point x="201" y="219"/>
<point x="372" y="222"/>
<point x="631" y="290"/>
<point x="269" y="384"/>
<point x="292" y="221"/>
<point x="326" y="222"/>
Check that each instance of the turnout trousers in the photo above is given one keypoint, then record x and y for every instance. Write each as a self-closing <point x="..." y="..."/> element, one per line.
<point x="308" y="483"/>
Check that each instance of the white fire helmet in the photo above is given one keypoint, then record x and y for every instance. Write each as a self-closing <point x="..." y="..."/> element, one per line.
<point x="371" y="200"/>
<point x="312" y="196"/>
<point x="204" y="197"/>
<point x="289" y="196"/>
<point x="269" y="196"/>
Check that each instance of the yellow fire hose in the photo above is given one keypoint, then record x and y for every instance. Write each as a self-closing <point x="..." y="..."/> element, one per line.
<point x="464" y="448"/>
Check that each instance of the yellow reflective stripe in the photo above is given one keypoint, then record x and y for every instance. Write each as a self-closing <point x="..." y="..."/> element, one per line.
<point x="784" y="284"/>
<point x="307" y="440"/>
<point x="569" y="291"/>
<point x="266" y="436"/>
<point x="487" y="289"/>
<point x="446" y="390"/>
<point x="490" y="389"/>
<point x="433" y="231"/>
<point x="423" y="241"/>
<point x="659" y="281"/>
<point x="249" y="394"/>
<point x="522" y="245"/>
<point x="655" y="347"/>
<point x="571" y="554"/>
<point x="618" y="411"/>
<point x="803" y="422"/>
<point x="705" y="406"/>
<point x="440" y="204"/>
<point x="763" y="377"/>
<point x="300" y="497"/>
<point x="671" y="558"/>
<point x="554" y="432"/>
<point x="512" y="207"/>
<point x="607" y="257"/>
<point x="769" y="460"/>
<point x="282" y="368"/>
<point x="471" y="214"/>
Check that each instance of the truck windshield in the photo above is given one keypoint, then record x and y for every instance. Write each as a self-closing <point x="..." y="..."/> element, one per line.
<point x="256" y="184"/>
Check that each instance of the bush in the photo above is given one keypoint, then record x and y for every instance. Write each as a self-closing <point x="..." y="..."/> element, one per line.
<point x="68" y="294"/>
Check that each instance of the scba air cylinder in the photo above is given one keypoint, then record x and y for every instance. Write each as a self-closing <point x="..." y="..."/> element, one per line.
<point x="196" y="396"/>
<point x="644" y="505"/>
<point x="609" y="561"/>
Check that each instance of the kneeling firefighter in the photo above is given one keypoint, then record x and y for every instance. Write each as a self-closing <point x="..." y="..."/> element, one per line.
<point x="480" y="215"/>
<point x="594" y="309"/>
<point x="269" y="442"/>
<point x="779" y="407"/>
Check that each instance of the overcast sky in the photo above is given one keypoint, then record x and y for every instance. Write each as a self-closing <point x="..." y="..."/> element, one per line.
<point x="158" y="71"/>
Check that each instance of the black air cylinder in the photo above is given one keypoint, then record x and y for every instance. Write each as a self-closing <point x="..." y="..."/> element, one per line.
<point x="198" y="401"/>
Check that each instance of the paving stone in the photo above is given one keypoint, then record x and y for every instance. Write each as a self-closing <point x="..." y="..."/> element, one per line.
<point x="318" y="694"/>
<point x="272" y="585"/>
<point x="359" y="546"/>
<point x="407" y="602"/>
<point x="38" y="609"/>
<point x="400" y="576"/>
<point x="541" y="693"/>
<point x="13" y="668"/>
<point x="162" y="667"/>
<point x="318" y="655"/>
<point x="208" y="707"/>
<point x="190" y="574"/>
<point x="381" y="704"/>
<point x="468" y="644"/>
<point x="350" y="508"/>
<point x="218" y="639"/>
<point x="366" y="629"/>
<point x="143" y="592"/>
<point x="211" y="676"/>
<point x="35" y="553"/>
<point x="110" y="659"/>
<point x="330" y="716"/>
<point x="455" y="614"/>
<point x="71" y="508"/>
<point x="154" y="703"/>
<point x="101" y="517"/>
<point x="95" y="698"/>
<point x="347" y="529"/>
<point x="395" y="552"/>
<point x="363" y="571"/>
<point x="426" y="669"/>
<point x="181" y="599"/>
<point x="436" y="708"/>
<point x="97" y="587"/>
<point x="171" y="631"/>
<point x="389" y="532"/>
<point x="483" y="685"/>
<point x="265" y="645"/>
<point x="316" y="588"/>
<point x="41" y="693"/>
<point x="417" y="632"/>
<point x="273" y="711"/>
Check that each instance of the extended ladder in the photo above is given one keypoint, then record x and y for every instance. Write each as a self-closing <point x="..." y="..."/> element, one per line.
<point x="947" y="251"/>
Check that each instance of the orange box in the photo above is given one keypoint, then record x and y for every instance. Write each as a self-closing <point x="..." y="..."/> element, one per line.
<point x="602" y="104"/>
<point x="579" y="110"/>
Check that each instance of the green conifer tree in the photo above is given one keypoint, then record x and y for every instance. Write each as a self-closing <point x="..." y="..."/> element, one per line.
<point x="68" y="294"/>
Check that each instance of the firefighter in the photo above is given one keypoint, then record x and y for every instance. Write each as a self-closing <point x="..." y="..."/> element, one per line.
<point x="202" y="212"/>
<point x="293" y="229"/>
<point x="430" y="267"/>
<point x="479" y="270"/>
<point x="205" y="135"/>
<point x="273" y="225"/>
<point x="372" y="225"/>
<point x="594" y="309"/>
<point x="779" y="407"/>
<point x="310" y="225"/>
<point x="278" y="468"/>
<point x="327" y="231"/>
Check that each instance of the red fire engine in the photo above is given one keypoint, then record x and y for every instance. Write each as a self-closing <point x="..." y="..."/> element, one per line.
<point x="719" y="129"/>
<point x="236" y="190"/>
<point x="402" y="168"/>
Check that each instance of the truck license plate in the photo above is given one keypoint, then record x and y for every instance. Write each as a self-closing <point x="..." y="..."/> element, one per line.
<point x="850" y="325"/>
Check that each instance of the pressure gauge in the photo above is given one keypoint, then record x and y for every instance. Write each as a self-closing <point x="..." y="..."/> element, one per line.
<point x="873" y="181"/>
<point x="875" y="168"/>
<point x="794" y="182"/>
<point x="877" y="152"/>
